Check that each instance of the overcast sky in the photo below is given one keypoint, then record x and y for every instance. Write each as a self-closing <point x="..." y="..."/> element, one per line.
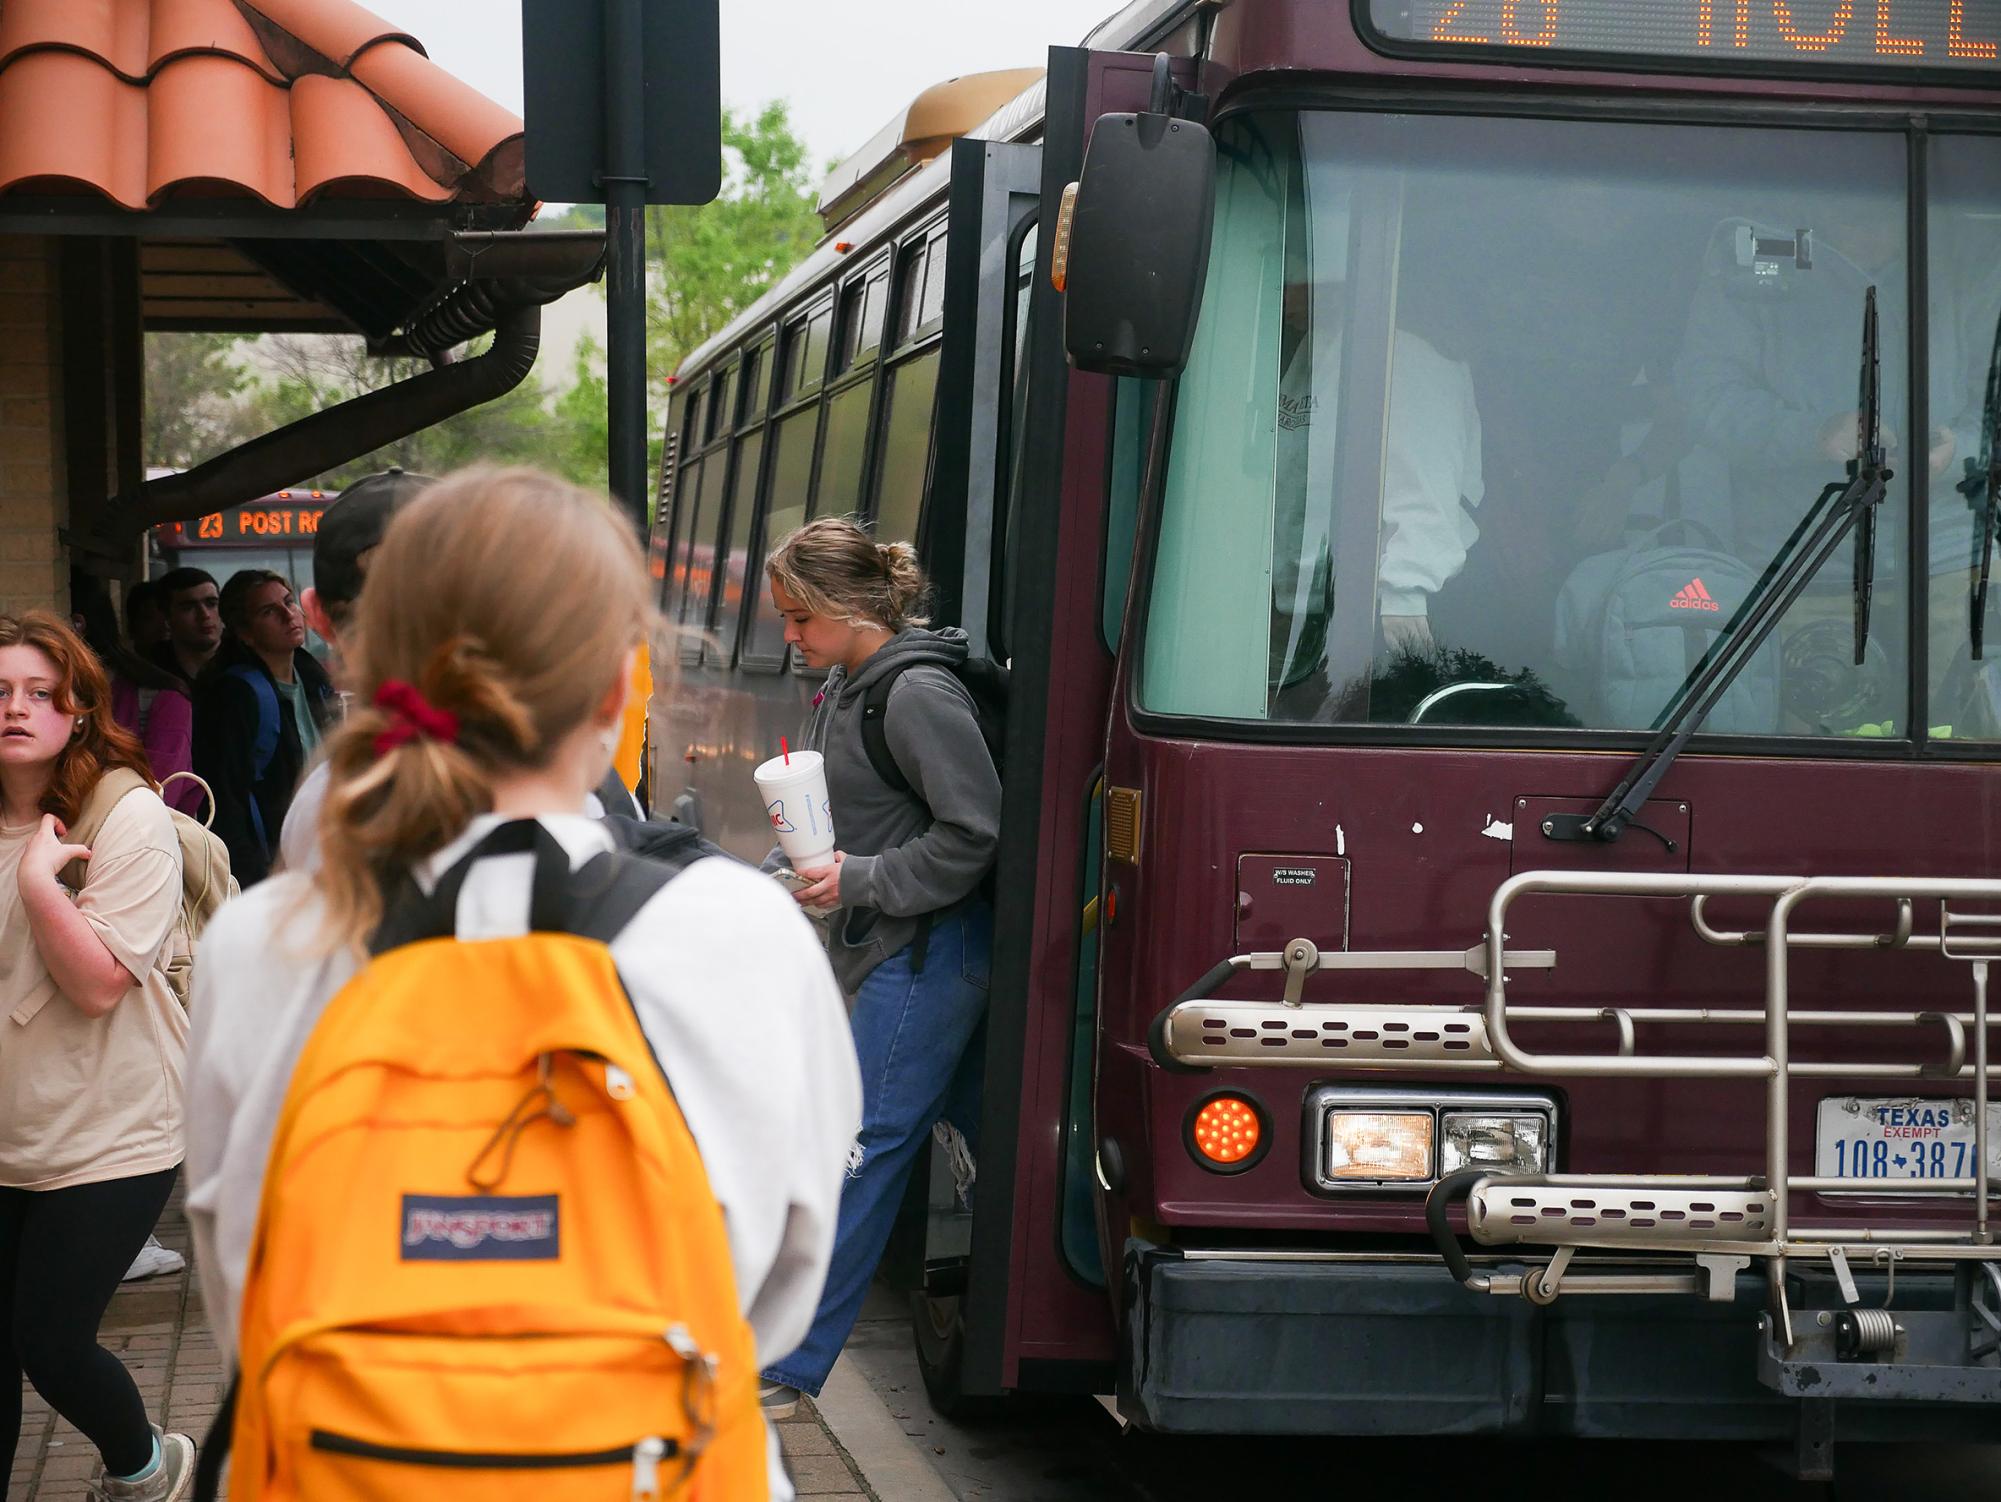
<point x="845" y="67"/>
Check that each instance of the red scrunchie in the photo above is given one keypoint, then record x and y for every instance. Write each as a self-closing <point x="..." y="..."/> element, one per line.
<point x="414" y="716"/>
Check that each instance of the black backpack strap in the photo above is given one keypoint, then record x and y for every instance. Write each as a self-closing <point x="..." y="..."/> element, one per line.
<point x="875" y="728"/>
<point x="608" y="892"/>
<point x="594" y="901"/>
<point x="215" y="1448"/>
<point x="412" y="915"/>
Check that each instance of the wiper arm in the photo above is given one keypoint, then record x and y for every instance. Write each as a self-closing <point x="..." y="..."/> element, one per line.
<point x="1869" y="455"/>
<point x="1982" y="489"/>
<point x="1838" y="509"/>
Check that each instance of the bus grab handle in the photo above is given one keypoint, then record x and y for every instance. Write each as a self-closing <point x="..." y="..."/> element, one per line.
<point x="1156" y="1035"/>
<point x="1436" y="1204"/>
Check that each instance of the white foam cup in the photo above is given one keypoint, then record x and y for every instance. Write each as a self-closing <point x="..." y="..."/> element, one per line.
<point x="795" y="799"/>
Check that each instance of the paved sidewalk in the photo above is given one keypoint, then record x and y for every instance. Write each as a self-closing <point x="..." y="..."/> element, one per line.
<point x="156" y="1328"/>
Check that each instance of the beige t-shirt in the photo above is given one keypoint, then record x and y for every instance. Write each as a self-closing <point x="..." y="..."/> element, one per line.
<point x="84" y="1099"/>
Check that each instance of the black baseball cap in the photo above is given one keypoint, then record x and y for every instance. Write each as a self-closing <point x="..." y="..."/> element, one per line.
<point x="352" y="528"/>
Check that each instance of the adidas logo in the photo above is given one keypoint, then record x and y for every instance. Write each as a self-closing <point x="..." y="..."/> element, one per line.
<point x="1694" y="597"/>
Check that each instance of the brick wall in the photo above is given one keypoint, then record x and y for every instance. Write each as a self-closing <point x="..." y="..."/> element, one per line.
<point x="34" y="569"/>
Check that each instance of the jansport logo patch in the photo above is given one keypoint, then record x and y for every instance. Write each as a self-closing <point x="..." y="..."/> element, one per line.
<point x="1694" y="597"/>
<point x="481" y="1228"/>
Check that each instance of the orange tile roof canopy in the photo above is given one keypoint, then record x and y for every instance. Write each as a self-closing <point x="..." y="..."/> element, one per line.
<point x="285" y="101"/>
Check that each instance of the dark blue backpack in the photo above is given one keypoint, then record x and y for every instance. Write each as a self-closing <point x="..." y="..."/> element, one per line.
<point x="264" y="744"/>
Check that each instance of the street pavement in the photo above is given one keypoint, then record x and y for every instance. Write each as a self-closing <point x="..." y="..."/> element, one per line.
<point x="157" y="1329"/>
<point x="1072" y="1450"/>
<point x="879" y="1438"/>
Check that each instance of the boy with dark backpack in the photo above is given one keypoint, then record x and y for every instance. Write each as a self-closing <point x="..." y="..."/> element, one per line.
<point x="260" y="712"/>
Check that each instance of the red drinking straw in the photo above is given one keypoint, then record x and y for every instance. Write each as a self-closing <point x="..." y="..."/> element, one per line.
<point x="785" y="751"/>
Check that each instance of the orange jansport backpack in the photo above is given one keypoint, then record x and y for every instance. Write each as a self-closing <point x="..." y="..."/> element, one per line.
<point x="488" y="1262"/>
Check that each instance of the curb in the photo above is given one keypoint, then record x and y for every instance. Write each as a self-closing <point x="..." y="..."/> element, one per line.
<point x="891" y="1462"/>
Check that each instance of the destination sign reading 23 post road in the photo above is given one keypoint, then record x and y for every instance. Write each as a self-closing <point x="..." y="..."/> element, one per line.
<point x="1835" y="34"/>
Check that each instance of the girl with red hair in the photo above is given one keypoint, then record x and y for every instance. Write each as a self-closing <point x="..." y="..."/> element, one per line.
<point x="90" y="1072"/>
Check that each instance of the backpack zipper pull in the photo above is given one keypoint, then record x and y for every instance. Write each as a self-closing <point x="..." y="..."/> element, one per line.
<point x="646" y="1457"/>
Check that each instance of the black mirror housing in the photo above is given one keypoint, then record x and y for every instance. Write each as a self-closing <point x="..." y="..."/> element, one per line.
<point x="1139" y="245"/>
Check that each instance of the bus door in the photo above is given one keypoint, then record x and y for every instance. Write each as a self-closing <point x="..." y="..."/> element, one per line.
<point x="1023" y="1304"/>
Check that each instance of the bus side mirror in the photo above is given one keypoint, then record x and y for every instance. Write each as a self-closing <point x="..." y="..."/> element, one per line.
<point x="1132" y="246"/>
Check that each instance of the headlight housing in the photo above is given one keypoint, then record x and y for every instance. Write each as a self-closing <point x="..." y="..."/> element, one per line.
<point x="1360" y="1138"/>
<point x="1378" y="1146"/>
<point x="1498" y="1141"/>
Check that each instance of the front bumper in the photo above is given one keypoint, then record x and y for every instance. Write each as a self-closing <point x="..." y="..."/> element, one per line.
<point x="1222" y="1344"/>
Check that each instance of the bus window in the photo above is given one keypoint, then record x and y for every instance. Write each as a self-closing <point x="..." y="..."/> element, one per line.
<point x="877" y="312"/>
<point x="785" y="510"/>
<point x="932" y="307"/>
<point x="1544" y="399"/>
<point x="736" y="558"/>
<point x="1012" y="437"/>
<point x="920" y="287"/>
<point x="719" y="407"/>
<point x="906" y="447"/>
<point x="862" y="307"/>
<point x="1132" y="421"/>
<point x="910" y="290"/>
<point x="704" y="546"/>
<point x="754" y="382"/>
<point x="843" y="449"/>
<point x="683" y="474"/>
<point x="805" y="353"/>
<point x="1965" y="286"/>
<point x="687" y="496"/>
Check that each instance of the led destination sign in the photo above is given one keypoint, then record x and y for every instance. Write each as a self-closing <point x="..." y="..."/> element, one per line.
<point x="1840" y="34"/>
<point x="291" y="516"/>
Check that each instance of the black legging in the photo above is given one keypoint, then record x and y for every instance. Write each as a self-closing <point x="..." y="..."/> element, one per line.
<point x="62" y="1253"/>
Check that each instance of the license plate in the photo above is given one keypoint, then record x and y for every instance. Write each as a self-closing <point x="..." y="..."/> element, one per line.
<point x="1900" y="1139"/>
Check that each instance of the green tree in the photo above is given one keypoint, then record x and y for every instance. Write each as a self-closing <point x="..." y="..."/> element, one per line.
<point x="524" y="426"/>
<point x="707" y="264"/>
<point x="196" y="399"/>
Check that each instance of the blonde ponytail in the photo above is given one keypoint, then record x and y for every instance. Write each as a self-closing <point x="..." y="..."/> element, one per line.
<point x="834" y="568"/>
<point x="506" y="648"/>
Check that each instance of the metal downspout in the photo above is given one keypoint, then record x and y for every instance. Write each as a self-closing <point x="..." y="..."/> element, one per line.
<point x="326" y="439"/>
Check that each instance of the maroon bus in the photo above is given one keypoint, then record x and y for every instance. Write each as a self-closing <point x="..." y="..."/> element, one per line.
<point x="1496" y="879"/>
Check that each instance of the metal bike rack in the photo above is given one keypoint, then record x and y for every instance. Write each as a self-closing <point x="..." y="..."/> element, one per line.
<point x="1723" y="1224"/>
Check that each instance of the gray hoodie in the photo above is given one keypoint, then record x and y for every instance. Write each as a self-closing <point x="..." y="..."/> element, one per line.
<point x="908" y="853"/>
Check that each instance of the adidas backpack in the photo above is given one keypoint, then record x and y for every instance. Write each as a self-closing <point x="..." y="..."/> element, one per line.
<point x="205" y="880"/>
<point x="488" y="1262"/>
<point x="1633" y="624"/>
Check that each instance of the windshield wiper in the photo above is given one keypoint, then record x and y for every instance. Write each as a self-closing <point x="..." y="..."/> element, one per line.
<point x="1982" y="489"/>
<point x="1839" y="508"/>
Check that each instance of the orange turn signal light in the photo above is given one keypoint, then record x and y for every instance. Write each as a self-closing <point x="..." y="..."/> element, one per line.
<point x="1226" y="1131"/>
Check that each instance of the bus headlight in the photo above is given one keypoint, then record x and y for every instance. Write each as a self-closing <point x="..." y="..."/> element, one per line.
<point x="1376" y="1146"/>
<point x="1499" y="1141"/>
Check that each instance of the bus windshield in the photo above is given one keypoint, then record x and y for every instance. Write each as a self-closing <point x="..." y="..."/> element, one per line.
<point x="1495" y="422"/>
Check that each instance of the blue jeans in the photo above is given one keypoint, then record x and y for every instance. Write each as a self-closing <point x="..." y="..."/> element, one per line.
<point x="911" y="1034"/>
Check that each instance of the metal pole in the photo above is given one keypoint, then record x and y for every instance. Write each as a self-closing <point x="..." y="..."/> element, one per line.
<point x="624" y="180"/>
<point x="1778" y="1053"/>
<point x="1980" y="1232"/>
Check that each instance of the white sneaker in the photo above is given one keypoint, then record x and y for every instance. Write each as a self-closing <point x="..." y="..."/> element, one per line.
<point x="153" y="1260"/>
<point x="778" y="1401"/>
<point x="172" y="1482"/>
